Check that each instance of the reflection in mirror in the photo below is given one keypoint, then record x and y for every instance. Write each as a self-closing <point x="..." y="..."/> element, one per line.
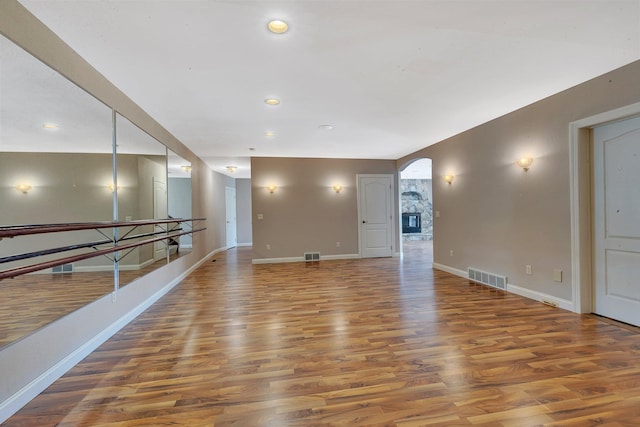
<point x="179" y="171"/>
<point x="55" y="163"/>
<point x="142" y="195"/>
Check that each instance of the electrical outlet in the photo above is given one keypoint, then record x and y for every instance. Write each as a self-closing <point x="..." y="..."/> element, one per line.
<point x="260" y="216"/>
<point x="528" y="270"/>
<point x="437" y="214"/>
<point x="451" y="252"/>
<point x="268" y="247"/>
<point x="338" y="244"/>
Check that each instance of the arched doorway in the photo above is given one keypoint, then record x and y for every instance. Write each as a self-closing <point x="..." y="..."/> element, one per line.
<point x="416" y="210"/>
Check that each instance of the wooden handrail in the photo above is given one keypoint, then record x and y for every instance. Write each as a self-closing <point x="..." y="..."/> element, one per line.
<point x="18" y="271"/>
<point x="10" y="231"/>
<point x="60" y="249"/>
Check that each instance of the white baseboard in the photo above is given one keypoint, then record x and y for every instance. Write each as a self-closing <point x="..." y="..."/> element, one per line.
<point x="454" y="271"/>
<point x="27" y="393"/>
<point x="301" y="259"/>
<point x="245" y="244"/>
<point x="514" y="289"/>
<point x="539" y="296"/>
<point x="276" y="260"/>
<point x="109" y="267"/>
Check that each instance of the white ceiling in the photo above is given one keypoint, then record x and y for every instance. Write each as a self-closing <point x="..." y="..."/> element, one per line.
<point x="391" y="76"/>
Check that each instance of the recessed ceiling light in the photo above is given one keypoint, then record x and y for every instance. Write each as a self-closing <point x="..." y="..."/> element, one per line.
<point x="272" y="101"/>
<point x="232" y="169"/>
<point x="326" y="127"/>
<point x="50" y="126"/>
<point x="269" y="134"/>
<point x="277" y="27"/>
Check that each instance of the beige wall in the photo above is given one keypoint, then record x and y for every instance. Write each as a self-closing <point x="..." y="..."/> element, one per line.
<point x="497" y="218"/>
<point x="305" y="214"/>
<point x="243" y="211"/>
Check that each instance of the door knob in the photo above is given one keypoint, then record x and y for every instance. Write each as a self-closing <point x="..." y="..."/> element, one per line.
<point x="364" y="222"/>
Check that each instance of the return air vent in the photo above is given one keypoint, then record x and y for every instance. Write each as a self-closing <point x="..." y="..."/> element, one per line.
<point x="64" y="268"/>
<point x="489" y="279"/>
<point x="311" y="256"/>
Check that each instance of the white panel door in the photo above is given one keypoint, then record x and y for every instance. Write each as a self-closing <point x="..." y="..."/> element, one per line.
<point x="375" y="215"/>
<point x="159" y="212"/>
<point x="230" y="203"/>
<point x="617" y="220"/>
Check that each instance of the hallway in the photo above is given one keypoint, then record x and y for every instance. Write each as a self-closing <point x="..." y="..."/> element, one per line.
<point x="371" y="342"/>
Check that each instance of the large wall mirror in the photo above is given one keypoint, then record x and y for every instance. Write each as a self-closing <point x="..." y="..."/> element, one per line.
<point x="179" y="202"/>
<point x="56" y="166"/>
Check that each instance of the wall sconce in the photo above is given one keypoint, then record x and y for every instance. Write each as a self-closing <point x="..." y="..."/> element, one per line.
<point x="524" y="162"/>
<point x="337" y="188"/>
<point x="23" y="188"/>
<point x="186" y="168"/>
<point x="272" y="188"/>
<point x="232" y="169"/>
<point x="112" y="187"/>
<point x="448" y="179"/>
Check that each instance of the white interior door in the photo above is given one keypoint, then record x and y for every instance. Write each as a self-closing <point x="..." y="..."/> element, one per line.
<point x="375" y="214"/>
<point x="617" y="220"/>
<point x="159" y="212"/>
<point x="230" y="203"/>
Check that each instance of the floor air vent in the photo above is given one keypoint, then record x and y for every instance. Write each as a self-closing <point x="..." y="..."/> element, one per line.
<point x="64" y="268"/>
<point x="311" y="256"/>
<point x="489" y="279"/>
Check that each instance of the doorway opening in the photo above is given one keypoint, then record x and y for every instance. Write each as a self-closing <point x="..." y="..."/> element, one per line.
<point x="416" y="210"/>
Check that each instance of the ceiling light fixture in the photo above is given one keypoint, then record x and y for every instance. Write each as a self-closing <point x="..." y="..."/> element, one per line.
<point x="272" y="101"/>
<point x="232" y="169"/>
<point x="277" y="26"/>
<point x="269" y="134"/>
<point x="326" y="127"/>
<point x="186" y="168"/>
<point x="50" y="126"/>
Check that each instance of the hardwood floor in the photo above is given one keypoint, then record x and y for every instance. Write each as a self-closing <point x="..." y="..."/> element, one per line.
<point x="39" y="299"/>
<point x="378" y="342"/>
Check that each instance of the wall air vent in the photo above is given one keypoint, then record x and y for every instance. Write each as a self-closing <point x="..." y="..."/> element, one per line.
<point x="64" y="268"/>
<point x="311" y="256"/>
<point x="489" y="279"/>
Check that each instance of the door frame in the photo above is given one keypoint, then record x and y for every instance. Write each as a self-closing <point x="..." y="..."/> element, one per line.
<point x="228" y="203"/>
<point x="391" y="203"/>
<point x="580" y="194"/>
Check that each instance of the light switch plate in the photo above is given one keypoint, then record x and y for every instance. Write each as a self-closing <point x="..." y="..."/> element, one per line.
<point x="557" y="275"/>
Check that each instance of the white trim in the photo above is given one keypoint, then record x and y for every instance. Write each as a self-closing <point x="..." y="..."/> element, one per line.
<point x="452" y="270"/>
<point x="245" y="244"/>
<point x="539" y="296"/>
<point x="511" y="288"/>
<point x="27" y="393"/>
<point x="98" y="268"/>
<point x="276" y="260"/>
<point x="301" y="259"/>
<point x="581" y="288"/>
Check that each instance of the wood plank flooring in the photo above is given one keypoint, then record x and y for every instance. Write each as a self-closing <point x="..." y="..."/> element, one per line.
<point x="32" y="301"/>
<point x="379" y="342"/>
